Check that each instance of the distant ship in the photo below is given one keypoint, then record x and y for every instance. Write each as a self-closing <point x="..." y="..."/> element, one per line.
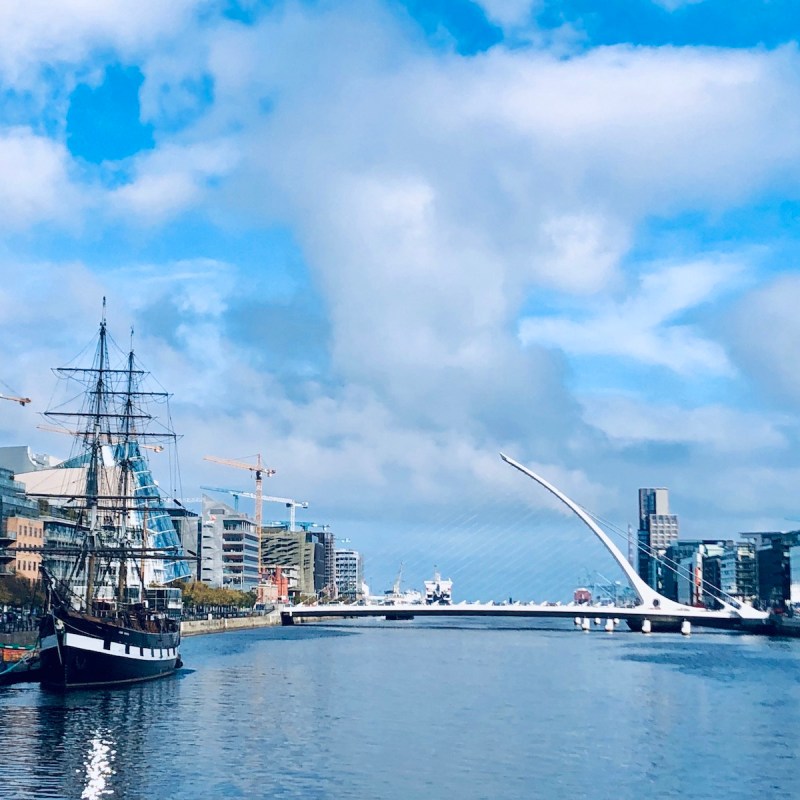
<point x="438" y="591"/>
<point x="395" y="596"/>
<point x="101" y="627"/>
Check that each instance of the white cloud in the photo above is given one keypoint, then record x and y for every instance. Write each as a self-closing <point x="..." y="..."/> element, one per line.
<point x="764" y="337"/>
<point x="645" y="326"/>
<point x="629" y="421"/>
<point x="509" y="13"/>
<point x="34" y="181"/>
<point x="45" y="33"/>
<point x="583" y="251"/>
<point x="432" y="196"/>
<point x="430" y="193"/>
<point x="171" y="180"/>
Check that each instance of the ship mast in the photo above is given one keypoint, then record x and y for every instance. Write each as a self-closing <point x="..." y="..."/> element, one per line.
<point x="127" y="425"/>
<point x="119" y="493"/>
<point x="98" y="405"/>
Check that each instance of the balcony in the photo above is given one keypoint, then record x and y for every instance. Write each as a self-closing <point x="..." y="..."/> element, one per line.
<point x="6" y="537"/>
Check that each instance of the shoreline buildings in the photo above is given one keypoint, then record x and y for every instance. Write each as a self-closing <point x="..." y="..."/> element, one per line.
<point x="658" y="529"/>
<point x="349" y="574"/>
<point x="221" y="542"/>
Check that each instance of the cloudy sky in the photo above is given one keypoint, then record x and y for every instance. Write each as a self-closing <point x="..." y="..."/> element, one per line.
<point x="381" y="241"/>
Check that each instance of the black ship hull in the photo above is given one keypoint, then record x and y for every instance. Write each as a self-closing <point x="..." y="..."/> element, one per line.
<point x="79" y="651"/>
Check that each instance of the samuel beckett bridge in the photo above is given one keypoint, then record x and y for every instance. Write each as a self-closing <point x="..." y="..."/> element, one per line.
<point x="651" y="611"/>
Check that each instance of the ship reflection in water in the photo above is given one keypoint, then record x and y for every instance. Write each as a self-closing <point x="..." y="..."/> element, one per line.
<point x="84" y="744"/>
<point x="465" y="709"/>
<point x="99" y="767"/>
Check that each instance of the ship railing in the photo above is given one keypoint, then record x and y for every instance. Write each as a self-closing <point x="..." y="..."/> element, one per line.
<point x="16" y="622"/>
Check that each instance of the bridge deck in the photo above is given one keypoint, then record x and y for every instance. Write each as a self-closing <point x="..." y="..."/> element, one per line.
<point x="697" y="616"/>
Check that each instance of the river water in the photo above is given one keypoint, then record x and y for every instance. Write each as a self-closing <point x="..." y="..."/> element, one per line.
<point x="424" y="709"/>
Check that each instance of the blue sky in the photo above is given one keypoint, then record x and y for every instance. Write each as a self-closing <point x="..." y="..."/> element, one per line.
<point x="380" y="242"/>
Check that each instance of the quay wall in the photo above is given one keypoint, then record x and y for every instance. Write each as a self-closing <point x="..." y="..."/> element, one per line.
<point x="188" y="627"/>
<point x="195" y="627"/>
<point x="19" y="637"/>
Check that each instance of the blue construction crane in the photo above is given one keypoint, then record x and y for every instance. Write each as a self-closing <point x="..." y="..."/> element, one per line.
<point x="237" y="493"/>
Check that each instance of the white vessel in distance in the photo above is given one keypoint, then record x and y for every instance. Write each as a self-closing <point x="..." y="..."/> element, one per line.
<point x="396" y="596"/>
<point x="438" y="591"/>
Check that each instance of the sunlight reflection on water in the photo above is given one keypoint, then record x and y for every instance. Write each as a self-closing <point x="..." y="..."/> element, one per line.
<point x="99" y="767"/>
<point x="419" y="710"/>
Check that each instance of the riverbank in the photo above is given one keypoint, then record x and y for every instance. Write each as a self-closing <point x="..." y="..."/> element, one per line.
<point x="194" y="627"/>
<point x="197" y="627"/>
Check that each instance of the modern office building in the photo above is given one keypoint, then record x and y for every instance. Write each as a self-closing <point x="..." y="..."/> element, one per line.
<point x="188" y="526"/>
<point x="233" y="545"/>
<point x="737" y="571"/>
<point x="210" y="551"/>
<point x="691" y="571"/>
<point x="349" y="574"/>
<point x="328" y="542"/>
<point x="14" y="505"/>
<point x="60" y="532"/>
<point x="297" y="556"/>
<point x="658" y="529"/>
<point x="775" y="570"/>
<point x="20" y="458"/>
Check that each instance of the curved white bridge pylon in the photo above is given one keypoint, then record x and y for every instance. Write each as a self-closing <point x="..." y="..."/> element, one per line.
<point x="649" y="597"/>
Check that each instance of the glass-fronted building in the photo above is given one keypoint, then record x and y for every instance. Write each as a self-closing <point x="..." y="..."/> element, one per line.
<point x="13" y="504"/>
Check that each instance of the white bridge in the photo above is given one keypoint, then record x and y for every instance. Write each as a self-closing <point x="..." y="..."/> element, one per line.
<point x="652" y="612"/>
<point x="637" y="617"/>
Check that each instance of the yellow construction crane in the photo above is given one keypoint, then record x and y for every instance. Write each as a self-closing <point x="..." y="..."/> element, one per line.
<point x="156" y="448"/>
<point x="260" y="470"/>
<point x="21" y="400"/>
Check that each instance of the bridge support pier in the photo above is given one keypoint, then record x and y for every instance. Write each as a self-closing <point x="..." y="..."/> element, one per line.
<point x="686" y="627"/>
<point x="645" y="626"/>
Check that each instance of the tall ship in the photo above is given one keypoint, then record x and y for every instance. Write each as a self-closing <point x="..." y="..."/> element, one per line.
<point x="112" y="614"/>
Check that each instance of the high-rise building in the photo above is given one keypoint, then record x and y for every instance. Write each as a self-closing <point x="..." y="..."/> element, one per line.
<point x="690" y="573"/>
<point x="657" y="530"/>
<point x="737" y="569"/>
<point x="776" y="569"/>
<point x="307" y="556"/>
<point x="349" y="574"/>
<point x="229" y="555"/>
<point x="297" y="554"/>
<point x="210" y="552"/>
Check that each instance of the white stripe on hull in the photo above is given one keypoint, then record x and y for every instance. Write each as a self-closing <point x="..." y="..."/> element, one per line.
<point x="80" y="642"/>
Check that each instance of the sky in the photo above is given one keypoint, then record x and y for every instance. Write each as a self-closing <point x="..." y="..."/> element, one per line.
<point x="379" y="242"/>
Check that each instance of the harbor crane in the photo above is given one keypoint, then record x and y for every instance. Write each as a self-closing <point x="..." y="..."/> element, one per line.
<point x="259" y="470"/>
